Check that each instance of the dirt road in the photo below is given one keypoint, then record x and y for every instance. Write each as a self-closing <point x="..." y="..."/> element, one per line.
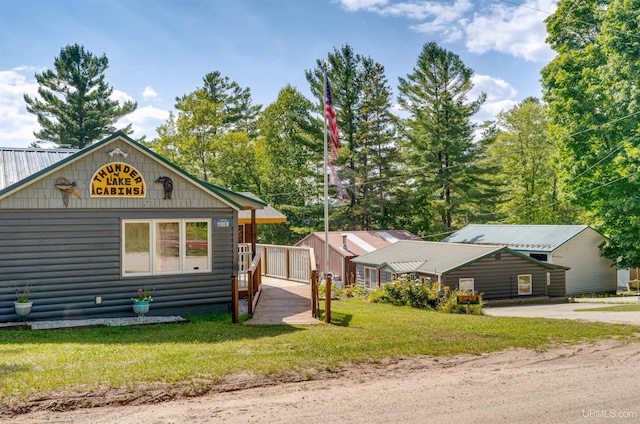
<point x="586" y="383"/>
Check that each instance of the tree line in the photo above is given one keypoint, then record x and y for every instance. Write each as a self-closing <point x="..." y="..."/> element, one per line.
<point x="572" y="157"/>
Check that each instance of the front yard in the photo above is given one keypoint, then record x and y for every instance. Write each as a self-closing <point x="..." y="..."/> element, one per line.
<point x="194" y="358"/>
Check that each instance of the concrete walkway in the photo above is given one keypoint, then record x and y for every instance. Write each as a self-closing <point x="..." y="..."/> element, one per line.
<point x="283" y="302"/>
<point x="572" y="310"/>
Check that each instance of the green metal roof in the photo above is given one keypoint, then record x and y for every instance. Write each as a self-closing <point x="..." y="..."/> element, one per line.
<point x="530" y="238"/>
<point x="434" y="257"/>
<point x="236" y="200"/>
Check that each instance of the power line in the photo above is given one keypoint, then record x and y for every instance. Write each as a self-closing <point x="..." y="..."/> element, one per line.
<point x="524" y="6"/>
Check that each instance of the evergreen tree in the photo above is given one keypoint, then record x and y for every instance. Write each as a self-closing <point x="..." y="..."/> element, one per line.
<point x="74" y="108"/>
<point x="375" y="149"/>
<point x="362" y="99"/>
<point x="439" y="147"/>
<point x="237" y="113"/>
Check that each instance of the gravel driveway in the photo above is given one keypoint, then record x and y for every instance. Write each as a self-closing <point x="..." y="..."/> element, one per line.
<point x="571" y="311"/>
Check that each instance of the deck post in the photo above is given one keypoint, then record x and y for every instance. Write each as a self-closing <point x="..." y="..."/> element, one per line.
<point x="314" y="294"/>
<point x="327" y="299"/>
<point x="234" y="299"/>
<point x="250" y="293"/>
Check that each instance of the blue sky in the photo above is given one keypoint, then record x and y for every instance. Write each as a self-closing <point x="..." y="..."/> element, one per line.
<point x="160" y="49"/>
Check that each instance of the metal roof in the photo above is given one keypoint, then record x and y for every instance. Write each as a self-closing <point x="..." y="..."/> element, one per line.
<point x="530" y="238"/>
<point x="426" y="256"/>
<point x="16" y="164"/>
<point x="23" y="177"/>
<point x="268" y="215"/>
<point x="361" y="242"/>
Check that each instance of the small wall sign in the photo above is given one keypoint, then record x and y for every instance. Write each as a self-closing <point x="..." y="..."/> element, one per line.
<point x="118" y="179"/>
<point x="222" y="223"/>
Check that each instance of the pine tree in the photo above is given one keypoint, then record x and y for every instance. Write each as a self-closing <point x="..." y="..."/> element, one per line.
<point x="362" y="99"/>
<point x="376" y="152"/>
<point x="439" y="147"/>
<point x="74" y="108"/>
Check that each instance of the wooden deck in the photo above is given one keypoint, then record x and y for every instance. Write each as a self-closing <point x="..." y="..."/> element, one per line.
<point x="283" y="302"/>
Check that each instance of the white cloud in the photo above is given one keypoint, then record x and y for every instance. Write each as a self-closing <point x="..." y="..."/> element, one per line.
<point x="355" y="5"/>
<point x="149" y="93"/>
<point x="145" y="120"/>
<point x="120" y="96"/>
<point x="16" y="124"/>
<point x="505" y="28"/>
<point x="517" y="31"/>
<point x="500" y="96"/>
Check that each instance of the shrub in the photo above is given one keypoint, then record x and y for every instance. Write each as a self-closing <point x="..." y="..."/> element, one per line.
<point x="449" y="303"/>
<point x="404" y="291"/>
<point x="378" y="296"/>
<point x="353" y="291"/>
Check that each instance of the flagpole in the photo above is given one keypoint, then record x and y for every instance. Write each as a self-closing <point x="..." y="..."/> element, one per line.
<point x="326" y="180"/>
<point x="327" y="277"/>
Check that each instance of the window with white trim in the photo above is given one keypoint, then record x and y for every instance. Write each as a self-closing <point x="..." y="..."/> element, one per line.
<point x="166" y="246"/>
<point x="524" y="284"/>
<point x="466" y="284"/>
<point x="370" y="278"/>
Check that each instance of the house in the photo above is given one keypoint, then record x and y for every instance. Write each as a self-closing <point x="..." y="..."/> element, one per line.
<point x="497" y="272"/>
<point x="574" y="246"/>
<point x="84" y="230"/>
<point x="346" y="245"/>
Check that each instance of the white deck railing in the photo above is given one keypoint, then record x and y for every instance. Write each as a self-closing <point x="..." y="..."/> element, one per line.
<point x="288" y="262"/>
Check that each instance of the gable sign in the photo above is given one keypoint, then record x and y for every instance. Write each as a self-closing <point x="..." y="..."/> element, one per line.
<point x="117" y="179"/>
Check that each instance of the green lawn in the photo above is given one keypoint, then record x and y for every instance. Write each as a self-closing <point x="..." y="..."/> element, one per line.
<point x="35" y="363"/>
<point x="616" y="308"/>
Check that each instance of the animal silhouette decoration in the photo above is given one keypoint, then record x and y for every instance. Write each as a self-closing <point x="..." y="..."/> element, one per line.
<point x="66" y="188"/>
<point x="167" y="183"/>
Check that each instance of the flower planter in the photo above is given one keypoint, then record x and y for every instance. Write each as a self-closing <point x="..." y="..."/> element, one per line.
<point x="141" y="307"/>
<point x="22" y="308"/>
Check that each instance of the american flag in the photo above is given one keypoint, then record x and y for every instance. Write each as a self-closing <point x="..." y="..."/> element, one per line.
<point x="332" y="122"/>
<point x="332" y="126"/>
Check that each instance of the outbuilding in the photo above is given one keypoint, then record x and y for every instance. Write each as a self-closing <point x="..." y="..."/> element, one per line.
<point x="497" y="272"/>
<point x="346" y="245"/>
<point x="85" y="230"/>
<point x="574" y="246"/>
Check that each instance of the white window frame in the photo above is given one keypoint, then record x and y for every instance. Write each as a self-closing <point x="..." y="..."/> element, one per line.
<point x="548" y="278"/>
<point x="182" y="223"/>
<point x="520" y="292"/>
<point x="468" y="282"/>
<point x="367" y="277"/>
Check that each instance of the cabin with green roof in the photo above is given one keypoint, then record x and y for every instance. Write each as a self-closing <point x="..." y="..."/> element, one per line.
<point x="85" y="230"/>
<point x="497" y="272"/>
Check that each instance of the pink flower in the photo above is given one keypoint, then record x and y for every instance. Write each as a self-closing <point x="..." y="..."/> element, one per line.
<point x="139" y="290"/>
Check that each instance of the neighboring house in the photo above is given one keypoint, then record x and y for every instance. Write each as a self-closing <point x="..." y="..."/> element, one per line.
<point x="497" y="272"/>
<point x="346" y="245"/>
<point x="86" y="229"/>
<point x="574" y="246"/>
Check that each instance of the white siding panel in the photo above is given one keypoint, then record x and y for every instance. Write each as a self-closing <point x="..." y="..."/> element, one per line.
<point x="590" y="272"/>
